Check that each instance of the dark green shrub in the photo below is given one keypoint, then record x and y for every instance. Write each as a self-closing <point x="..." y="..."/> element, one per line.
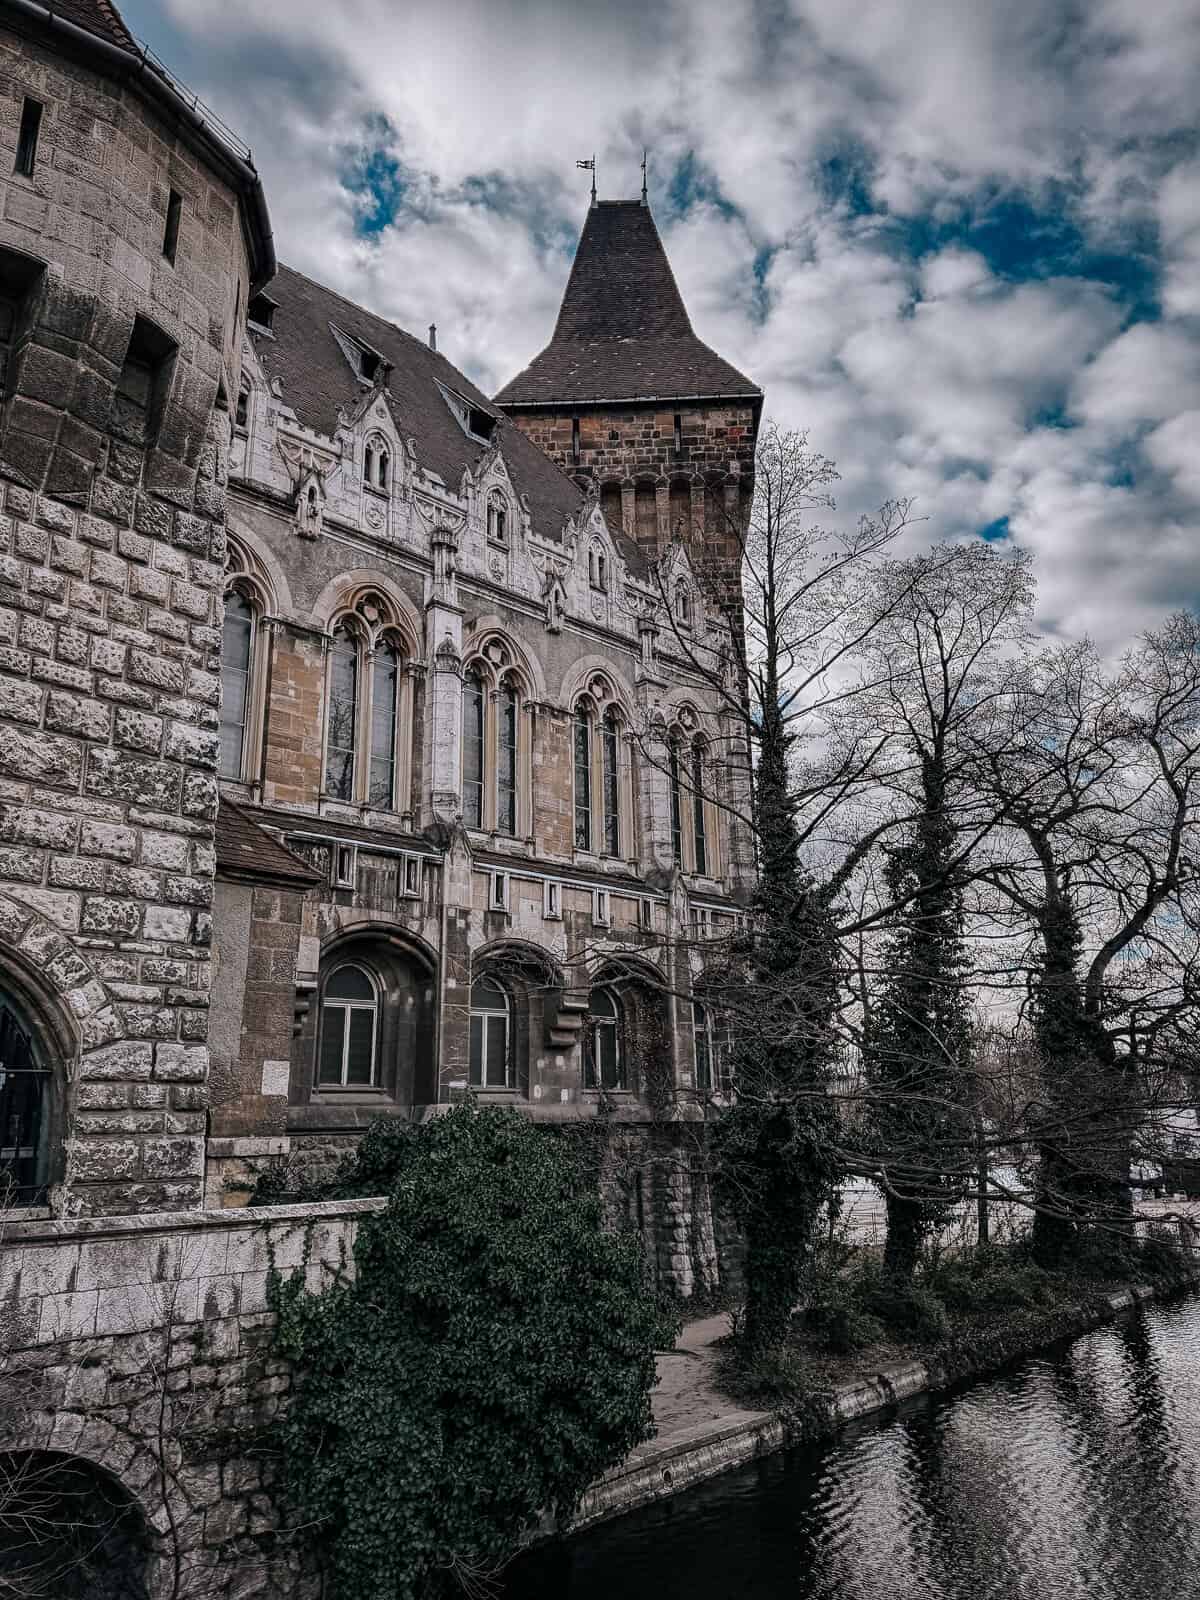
<point x="910" y="1311"/>
<point x="994" y="1277"/>
<point x="493" y="1356"/>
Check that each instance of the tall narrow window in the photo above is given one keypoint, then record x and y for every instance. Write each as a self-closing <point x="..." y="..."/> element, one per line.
<point x="143" y="383"/>
<point x="24" y="1088"/>
<point x="171" y="231"/>
<point x="497" y="520"/>
<point x="583" y="780"/>
<point x="605" y="1064"/>
<point x="237" y="640"/>
<point x="676" y="803"/>
<point x="382" y="469"/>
<point x="369" y="466"/>
<point x="574" y="438"/>
<point x="610" y="754"/>
<point x="702" y="1040"/>
<point x="349" y="1026"/>
<point x="472" y="751"/>
<point x="678" y="431"/>
<point x="241" y="412"/>
<point x="343" y="714"/>
<point x="27" y="138"/>
<point x="506" y="761"/>
<point x="490" y="1055"/>
<point x="384" y="707"/>
<point x="700" y="863"/>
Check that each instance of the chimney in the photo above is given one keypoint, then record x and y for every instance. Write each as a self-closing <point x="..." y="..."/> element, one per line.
<point x="433" y="335"/>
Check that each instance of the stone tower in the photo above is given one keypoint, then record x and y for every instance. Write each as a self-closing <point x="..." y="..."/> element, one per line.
<point x="628" y="400"/>
<point x="132" y="232"/>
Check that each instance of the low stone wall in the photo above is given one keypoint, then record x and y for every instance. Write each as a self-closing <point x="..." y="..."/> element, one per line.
<point x="142" y="1347"/>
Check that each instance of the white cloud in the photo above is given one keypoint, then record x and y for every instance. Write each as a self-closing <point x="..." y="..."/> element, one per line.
<point x="843" y="139"/>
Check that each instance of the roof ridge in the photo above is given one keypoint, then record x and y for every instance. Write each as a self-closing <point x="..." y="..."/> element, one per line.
<point x="354" y="305"/>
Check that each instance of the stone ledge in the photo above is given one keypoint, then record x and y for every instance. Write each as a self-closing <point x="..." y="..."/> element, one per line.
<point x="66" y="1230"/>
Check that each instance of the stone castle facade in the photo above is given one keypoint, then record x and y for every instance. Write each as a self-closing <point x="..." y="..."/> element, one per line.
<point x="360" y="750"/>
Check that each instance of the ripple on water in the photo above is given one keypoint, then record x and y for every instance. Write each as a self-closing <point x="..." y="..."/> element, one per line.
<point x="1072" y="1476"/>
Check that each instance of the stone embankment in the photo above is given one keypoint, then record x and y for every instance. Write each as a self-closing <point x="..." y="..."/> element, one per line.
<point x="702" y="1433"/>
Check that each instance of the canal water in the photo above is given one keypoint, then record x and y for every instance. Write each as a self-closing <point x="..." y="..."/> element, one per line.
<point x="1073" y="1475"/>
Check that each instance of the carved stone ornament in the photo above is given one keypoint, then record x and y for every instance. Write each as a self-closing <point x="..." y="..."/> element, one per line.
<point x="597" y="607"/>
<point x="496" y="567"/>
<point x="374" y="516"/>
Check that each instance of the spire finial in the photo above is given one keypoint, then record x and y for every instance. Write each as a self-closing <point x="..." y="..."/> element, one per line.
<point x="590" y="166"/>
<point x="644" y="153"/>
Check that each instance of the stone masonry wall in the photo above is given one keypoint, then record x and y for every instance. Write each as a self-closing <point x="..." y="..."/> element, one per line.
<point x="142" y="1347"/>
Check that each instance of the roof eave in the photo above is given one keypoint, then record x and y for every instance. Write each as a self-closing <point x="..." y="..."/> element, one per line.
<point x="549" y="402"/>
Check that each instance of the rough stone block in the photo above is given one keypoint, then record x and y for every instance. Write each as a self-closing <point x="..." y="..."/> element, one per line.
<point x="41" y="758"/>
<point x="69" y="713"/>
<point x="128" y="1060"/>
<point x="181" y="1063"/>
<point x="104" y="915"/>
<point x="111" y="774"/>
<point x="107" y="839"/>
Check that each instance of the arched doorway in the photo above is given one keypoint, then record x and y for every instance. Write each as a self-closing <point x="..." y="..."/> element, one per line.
<point x="25" y="1083"/>
<point x="68" y="1531"/>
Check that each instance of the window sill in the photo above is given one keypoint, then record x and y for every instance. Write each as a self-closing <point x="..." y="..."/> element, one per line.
<point x="377" y="493"/>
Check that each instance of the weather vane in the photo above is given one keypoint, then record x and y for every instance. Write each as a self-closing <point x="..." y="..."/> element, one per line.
<point x="644" y="154"/>
<point x="590" y="166"/>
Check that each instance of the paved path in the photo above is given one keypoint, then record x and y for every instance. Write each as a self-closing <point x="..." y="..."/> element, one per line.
<point x="687" y="1394"/>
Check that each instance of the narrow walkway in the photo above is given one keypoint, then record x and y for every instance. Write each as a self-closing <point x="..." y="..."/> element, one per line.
<point x="687" y="1396"/>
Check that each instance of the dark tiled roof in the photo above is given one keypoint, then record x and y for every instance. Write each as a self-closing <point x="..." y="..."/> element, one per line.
<point x="316" y="378"/>
<point x="623" y="332"/>
<point x="99" y="17"/>
<point x="245" y="850"/>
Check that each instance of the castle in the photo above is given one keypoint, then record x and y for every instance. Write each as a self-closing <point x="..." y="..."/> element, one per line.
<point x="356" y="757"/>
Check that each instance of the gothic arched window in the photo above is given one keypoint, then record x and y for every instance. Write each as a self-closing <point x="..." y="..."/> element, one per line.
<point x="349" y="1029"/>
<point x="377" y="464"/>
<point x="610" y="785"/>
<point x="676" y="802"/>
<point x="583" y="778"/>
<point x="238" y="630"/>
<point x="506" y="760"/>
<point x="699" y="832"/>
<point x="491" y="1056"/>
<point x="385" y="716"/>
<point x="341" y="738"/>
<point x="472" y="749"/>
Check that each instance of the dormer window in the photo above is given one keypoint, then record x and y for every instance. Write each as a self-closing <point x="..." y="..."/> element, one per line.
<point x="377" y="465"/>
<point x="470" y="416"/>
<point x="260" y="313"/>
<point x="368" y="364"/>
<point x="497" y="518"/>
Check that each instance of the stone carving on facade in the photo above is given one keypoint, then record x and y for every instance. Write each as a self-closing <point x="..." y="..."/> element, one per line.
<point x="309" y="469"/>
<point x="554" y="595"/>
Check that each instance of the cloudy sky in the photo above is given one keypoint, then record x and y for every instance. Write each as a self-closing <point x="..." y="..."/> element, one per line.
<point x="958" y="240"/>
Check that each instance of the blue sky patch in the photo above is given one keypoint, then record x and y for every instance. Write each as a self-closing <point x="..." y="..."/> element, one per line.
<point x="692" y="184"/>
<point x="993" y="532"/>
<point x="374" y="175"/>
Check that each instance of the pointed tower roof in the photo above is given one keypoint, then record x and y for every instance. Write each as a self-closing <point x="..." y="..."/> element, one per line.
<point x="623" y="332"/>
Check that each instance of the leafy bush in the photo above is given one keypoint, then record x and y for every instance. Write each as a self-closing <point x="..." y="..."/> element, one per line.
<point x="991" y="1277"/>
<point x="493" y="1356"/>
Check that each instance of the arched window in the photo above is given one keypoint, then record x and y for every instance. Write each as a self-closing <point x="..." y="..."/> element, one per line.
<point x="583" y="779"/>
<point x="683" y="606"/>
<point x="610" y="788"/>
<point x="385" y="713"/>
<point x="604" y="1066"/>
<point x="343" y="715"/>
<point x="369" y="466"/>
<point x="699" y="840"/>
<point x="506" y="760"/>
<point x="382" y="469"/>
<point x="24" y="1115"/>
<point x="676" y="802"/>
<point x="237" y="650"/>
<point x="472" y="750"/>
<point x="709" y="1045"/>
<point x="491" y="1066"/>
<point x="497" y="518"/>
<point x="349" y="1027"/>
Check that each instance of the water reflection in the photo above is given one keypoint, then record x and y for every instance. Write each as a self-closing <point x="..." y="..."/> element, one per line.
<point x="1074" y="1476"/>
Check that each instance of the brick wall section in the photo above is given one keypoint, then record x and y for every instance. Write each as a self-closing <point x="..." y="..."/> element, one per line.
<point x="631" y="443"/>
<point x="139" y="1346"/>
<point x="295" y="721"/>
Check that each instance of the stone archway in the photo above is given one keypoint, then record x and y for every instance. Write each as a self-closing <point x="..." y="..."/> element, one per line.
<point x="69" y="1530"/>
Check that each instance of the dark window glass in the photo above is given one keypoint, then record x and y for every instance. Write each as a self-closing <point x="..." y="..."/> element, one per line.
<point x="583" y="780"/>
<point x="612" y="794"/>
<point x="676" y="804"/>
<point x="242" y="412"/>
<point x="489" y="1057"/>
<point x="382" y="470"/>
<point x="343" y="711"/>
<point x="604" y="1066"/>
<point x="472" y="756"/>
<point x="383" y="729"/>
<point x="703" y="1042"/>
<point x="701" y="864"/>
<point x="506" y="762"/>
<point x="27" y="138"/>
<point x="678" y="431"/>
<point x="23" y="1129"/>
<point x="237" y="635"/>
<point x="349" y="1014"/>
<point x="574" y="438"/>
<point x="171" y="231"/>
